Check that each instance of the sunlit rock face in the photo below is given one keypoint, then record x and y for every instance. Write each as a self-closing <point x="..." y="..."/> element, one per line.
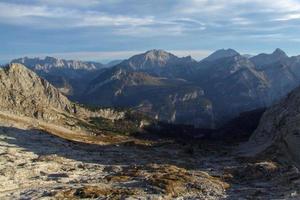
<point x="24" y="93"/>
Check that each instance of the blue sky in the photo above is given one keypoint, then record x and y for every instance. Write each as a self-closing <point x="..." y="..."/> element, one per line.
<point x="104" y="30"/>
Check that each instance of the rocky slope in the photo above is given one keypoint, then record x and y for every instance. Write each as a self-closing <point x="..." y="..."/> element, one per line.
<point x="233" y="85"/>
<point x="139" y="83"/>
<point x="156" y="61"/>
<point x="278" y="131"/>
<point x="263" y="60"/>
<point x="222" y="53"/>
<point x="24" y="93"/>
<point x="37" y="165"/>
<point x="168" y="100"/>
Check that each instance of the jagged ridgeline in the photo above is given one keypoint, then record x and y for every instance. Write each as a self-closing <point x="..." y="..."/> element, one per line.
<point x="69" y="76"/>
<point x="175" y="89"/>
<point x="25" y="93"/>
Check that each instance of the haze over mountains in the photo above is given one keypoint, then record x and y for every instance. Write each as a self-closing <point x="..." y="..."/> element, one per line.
<point x="69" y="76"/>
<point x="180" y="90"/>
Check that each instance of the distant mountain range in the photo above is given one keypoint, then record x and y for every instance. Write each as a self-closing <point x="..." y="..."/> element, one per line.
<point x="69" y="76"/>
<point x="180" y="90"/>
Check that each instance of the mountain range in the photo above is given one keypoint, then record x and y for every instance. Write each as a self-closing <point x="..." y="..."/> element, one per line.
<point x="87" y="150"/>
<point x="69" y="76"/>
<point x="207" y="93"/>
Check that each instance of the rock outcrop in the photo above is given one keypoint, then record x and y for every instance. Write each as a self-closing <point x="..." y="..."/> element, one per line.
<point x="24" y="93"/>
<point x="279" y="129"/>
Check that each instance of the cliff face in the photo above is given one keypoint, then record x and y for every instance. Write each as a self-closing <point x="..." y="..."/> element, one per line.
<point x="24" y="93"/>
<point x="171" y="100"/>
<point x="279" y="128"/>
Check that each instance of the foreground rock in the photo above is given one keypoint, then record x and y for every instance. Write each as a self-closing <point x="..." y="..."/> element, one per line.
<point x="37" y="165"/>
<point x="24" y="93"/>
<point x="278" y="132"/>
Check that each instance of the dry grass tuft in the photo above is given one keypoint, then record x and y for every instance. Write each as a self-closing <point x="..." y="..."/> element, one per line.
<point x="169" y="180"/>
<point x="256" y="171"/>
<point x="93" y="192"/>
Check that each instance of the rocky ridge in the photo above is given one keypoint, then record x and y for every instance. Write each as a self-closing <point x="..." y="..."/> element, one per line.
<point x="69" y="76"/>
<point x="229" y="83"/>
<point x="278" y="131"/>
<point x="24" y="93"/>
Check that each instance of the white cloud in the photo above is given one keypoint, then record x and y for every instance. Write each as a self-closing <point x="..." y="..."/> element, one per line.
<point x="99" y="19"/>
<point x="241" y="12"/>
<point x="11" y="11"/>
<point x="289" y="17"/>
<point x="51" y="17"/>
<point x="44" y="16"/>
<point x="184" y="17"/>
<point x="82" y="3"/>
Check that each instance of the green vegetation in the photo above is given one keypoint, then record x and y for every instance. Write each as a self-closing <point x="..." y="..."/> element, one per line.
<point x="123" y="126"/>
<point x="129" y="125"/>
<point x="95" y="108"/>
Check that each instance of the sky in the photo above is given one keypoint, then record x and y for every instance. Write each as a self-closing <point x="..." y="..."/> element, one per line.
<point x="103" y="30"/>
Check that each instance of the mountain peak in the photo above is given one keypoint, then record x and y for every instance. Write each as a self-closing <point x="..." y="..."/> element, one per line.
<point x="50" y="59"/>
<point x="51" y="63"/>
<point x="263" y="59"/>
<point x="158" y="53"/>
<point x="156" y="59"/>
<point x="221" y="53"/>
<point x="279" y="52"/>
<point x="17" y="67"/>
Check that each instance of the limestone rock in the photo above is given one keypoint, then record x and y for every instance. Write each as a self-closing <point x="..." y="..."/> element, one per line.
<point x="279" y="128"/>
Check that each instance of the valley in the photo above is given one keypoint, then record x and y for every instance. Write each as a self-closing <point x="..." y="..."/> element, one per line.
<point x="207" y="93"/>
<point x="149" y="100"/>
<point x="53" y="148"/>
